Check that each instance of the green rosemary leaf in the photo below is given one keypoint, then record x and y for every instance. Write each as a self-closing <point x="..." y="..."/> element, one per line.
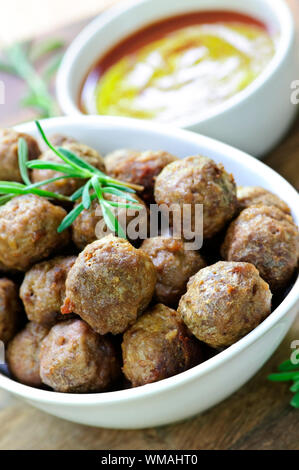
<point x="295" y="387"/>
<point x="118" y="192"/>
<point x="23" y="158"/>
<point x="11" y="190"/>
<point x="44" y="182"/>
<point x="42" y="48"/>
<point x="79" y="162"/>
<point x="77" y="194"/>
<point x="12" y="184"/>
<point x="56" y="151"/>
<point x="71" y="217"/>
<point x="7" y="186"/>
<point x="111" y="220"/>
<point x="5" y="199"/>
<point x="295" y="401"/>
<point x="19" y="61"/>
<point x="122" y="188"/>
<point x="284" y="376"/>
<point x="47" y="194"/>
<point x="20" y="189"/>
<point x="97" y="187"/>
<point x="52" y="67"/>
<point x="123" y="184"/>
<point x="7" y="68"/>
<point x="86" y="200"/>
<point x="62" y="168"/>
<point x="124" y="205"/>
<point x="108" y="216"/>
<point x="287" y="366"/>
<point x="34" y="101"/>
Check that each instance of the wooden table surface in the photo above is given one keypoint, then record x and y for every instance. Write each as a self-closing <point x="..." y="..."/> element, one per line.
<point x="258" y="416"/>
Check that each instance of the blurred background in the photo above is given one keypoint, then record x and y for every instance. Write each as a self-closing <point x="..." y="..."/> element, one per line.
<point x="34" y="35"/>
<point x="23" y="19"/>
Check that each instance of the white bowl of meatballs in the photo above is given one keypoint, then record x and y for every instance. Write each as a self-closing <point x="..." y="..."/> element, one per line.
<point x="120" y="333"/>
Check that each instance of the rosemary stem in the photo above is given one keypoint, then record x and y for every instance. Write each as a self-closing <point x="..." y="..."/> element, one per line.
<point x="25" y="70"/>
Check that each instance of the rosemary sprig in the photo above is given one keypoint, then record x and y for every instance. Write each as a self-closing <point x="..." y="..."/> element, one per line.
<point x="20" y="61"/>
<point x="288" y="372"/>
<point x="42" y="48"/>
<point x="18" y="189"/>
<point x="9" y="189"/>
<point x="23" y="159"/>
<point x="36" y="85"/>
<point x="96" y="186"/>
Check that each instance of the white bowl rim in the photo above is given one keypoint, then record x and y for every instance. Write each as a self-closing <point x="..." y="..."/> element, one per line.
<point x="80" y="44"/>
<point x="139" y="393"/>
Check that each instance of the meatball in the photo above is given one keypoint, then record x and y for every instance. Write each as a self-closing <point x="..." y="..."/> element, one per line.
<point x="28" y="231"/>
<point x="110" y="284"/>
<point x="114" y="158"/>
<point x="253" y="195"/>
<point x="75" y="359"/>
<point x="9" y="165"/>
<point x="199" y="180"/>
<point x="89" y="225"/>
<point x="23" y="354"/>
<point x="43" y="289"/>
<point x="58" y="140"/>
<point x="138" y="168"/>
<point x="266" y="237"/>
<point x="70" y="185"/>
<point x="10" y="309"/>
<point x="174" y="265"/>
<point x="158" y="346"/>
<point x="224" y="302"/>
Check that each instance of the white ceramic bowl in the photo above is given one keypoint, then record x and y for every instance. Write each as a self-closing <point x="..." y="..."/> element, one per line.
<point x="253" y="120"/>
<point x="205" y="385"/>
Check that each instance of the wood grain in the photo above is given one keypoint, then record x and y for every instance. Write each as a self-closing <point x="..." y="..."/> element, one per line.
<point x="258" y="416"/>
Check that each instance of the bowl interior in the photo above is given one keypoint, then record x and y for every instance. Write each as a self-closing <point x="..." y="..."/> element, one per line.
<point x="107" y="134"/>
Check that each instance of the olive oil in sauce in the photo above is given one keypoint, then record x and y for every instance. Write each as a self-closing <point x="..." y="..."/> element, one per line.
<point x="182" y="70"/>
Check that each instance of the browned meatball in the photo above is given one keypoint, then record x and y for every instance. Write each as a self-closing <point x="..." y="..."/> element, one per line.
<point x="110" y="284"/>
<point x="28" y="231"/>
<point x="5" y="270"/>
<point x="90" y="226"/>
<point x="138" y="168"/>
<point x="174" y="265"/>
<point x="199" y="180"/>
<point x="224" y="302"/>
<point x="253" y="195"/>
<point x="43" y="289"/>
<point x="266" y="237"/>
<point x="75" y="359"/>
<point x="112" y="159"/>
<point x="23" y="354"/>
<point x="158" y="346"/>
<point x="9" y="165"/>
<point x="70" y="185"/>
<point x="58" y="140"/>
<point x="10" y="309"/>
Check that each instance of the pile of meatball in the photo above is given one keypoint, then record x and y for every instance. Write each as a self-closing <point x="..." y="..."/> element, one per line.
<point x="80" y="314"/>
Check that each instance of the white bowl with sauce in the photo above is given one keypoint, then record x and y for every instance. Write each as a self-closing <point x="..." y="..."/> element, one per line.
<point x="205" y="385"/>
<point x="253" y="119"/>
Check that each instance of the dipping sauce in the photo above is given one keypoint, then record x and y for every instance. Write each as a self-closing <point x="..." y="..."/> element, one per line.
<point x="178" y="68"/>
